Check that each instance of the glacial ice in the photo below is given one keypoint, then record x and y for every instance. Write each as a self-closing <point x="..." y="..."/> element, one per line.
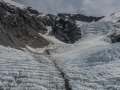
<point x="91" y="63"/>
<point x="10" y="2"/>
<point x="21" y="70"/>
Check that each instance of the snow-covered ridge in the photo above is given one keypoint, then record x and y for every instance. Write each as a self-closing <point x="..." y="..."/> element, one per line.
<point x="113" y="17"/>
<point x="10" y="2"/>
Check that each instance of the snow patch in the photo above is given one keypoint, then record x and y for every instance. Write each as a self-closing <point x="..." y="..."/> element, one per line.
<point x="53" y="43"/>
<point x="10" y="2"/>
<point x="37" y="50"/>
<point x="51" y="39"/>
<point x="114" y="18"/>
<point x="42" y="15"/>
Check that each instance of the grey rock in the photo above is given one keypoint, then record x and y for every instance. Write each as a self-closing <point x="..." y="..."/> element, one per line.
<point x="66" y="30"/>
<point x="25" y="24"/>
<point x="6" y="39"/>
<point x="80" y="17"/>
<point x="21" y="25"/>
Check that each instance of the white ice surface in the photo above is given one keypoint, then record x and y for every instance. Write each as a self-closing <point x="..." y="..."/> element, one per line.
<point x="51" y="39"/>
<point x="114" y="17"/>
<point x="91" y="63"/>
<point x="10" y="2"/>
<point x="42" y="15"/>
<point x="21" y="70"/>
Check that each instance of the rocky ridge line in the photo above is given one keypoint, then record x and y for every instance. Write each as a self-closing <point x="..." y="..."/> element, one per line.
<point x="24" y="25"/>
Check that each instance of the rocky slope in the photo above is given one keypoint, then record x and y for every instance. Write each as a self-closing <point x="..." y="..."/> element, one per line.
<point x="24" y="24"/>
<point x="80" y="17"/>
<point x="6" y="39"/>
<point x="66" y="30"/>
<point x="114" y="35"/>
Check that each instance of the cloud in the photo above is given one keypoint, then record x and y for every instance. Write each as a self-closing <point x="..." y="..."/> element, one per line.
<point x="87" y="7"/>
<point x="100" y="7"/>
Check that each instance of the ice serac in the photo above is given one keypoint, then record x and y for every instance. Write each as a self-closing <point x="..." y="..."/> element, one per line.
<point x="114" y="35"/>
<point x="92" y="63"/>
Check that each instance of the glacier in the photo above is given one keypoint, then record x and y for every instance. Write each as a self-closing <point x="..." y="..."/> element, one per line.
<point x="92" y="63"/>
<point x="21" y="70"/>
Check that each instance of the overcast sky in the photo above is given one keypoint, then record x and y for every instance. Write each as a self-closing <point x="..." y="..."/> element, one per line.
<point x="86" y="7"/>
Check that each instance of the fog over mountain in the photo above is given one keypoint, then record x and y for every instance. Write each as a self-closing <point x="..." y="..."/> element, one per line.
<point x="87" y="7"/>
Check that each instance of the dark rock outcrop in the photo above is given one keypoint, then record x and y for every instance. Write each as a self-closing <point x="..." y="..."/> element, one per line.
<point x="115" y="37"/>
<point x="23" y="24"/>
<point x="115" y="33"/>
<point x="80" y="17"/>
<point x="48" y="20"/>
<point x="66" y="30"/>
<point x="6" y="39"/>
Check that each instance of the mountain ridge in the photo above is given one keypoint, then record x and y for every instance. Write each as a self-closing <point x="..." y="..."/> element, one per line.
<point x="65" y="51"/>
<point x="24" y="24"/>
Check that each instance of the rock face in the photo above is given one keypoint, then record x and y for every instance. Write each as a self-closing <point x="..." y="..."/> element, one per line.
<point x="80" y="17"/>
<point x="48" y="19"/>
<point x="22" y="25"/>
<point x="6" y="39"/>
<point x="115" y="37"/>
<point x="115" y="33"/>
<point x="66" y="30"/>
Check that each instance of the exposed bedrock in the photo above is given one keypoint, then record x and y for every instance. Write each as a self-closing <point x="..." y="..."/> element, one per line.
<point x="25" y="25"/>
